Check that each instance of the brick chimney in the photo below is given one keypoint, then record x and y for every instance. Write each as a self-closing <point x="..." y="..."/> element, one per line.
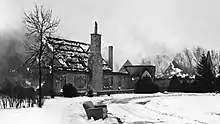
<point x="96" y="60"/>
<point x="110" y="56"/>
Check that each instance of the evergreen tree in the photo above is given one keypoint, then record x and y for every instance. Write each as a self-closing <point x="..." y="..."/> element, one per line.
<point x="204" y="70"/>
<point x="175" y="84"/>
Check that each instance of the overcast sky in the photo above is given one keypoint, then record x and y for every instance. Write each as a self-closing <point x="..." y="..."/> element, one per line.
<point x="136" y="28"/>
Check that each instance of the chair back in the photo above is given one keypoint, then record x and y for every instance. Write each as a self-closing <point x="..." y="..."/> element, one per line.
<point x="88" y="104"/>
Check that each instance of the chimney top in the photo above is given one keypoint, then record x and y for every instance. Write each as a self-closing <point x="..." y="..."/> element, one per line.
<point x="96" y="28"/>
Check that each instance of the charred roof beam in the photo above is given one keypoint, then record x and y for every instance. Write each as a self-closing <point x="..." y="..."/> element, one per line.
<point x="68" y="41"/>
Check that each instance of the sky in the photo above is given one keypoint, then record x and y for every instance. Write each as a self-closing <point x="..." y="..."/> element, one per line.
<point x="136" y="28"/>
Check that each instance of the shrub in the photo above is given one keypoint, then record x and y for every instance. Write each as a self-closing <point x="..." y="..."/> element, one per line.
<point x="217" y="84"/>
<point x="195" y="86"/>
<point x="175" y="84"/>
<point x="69" y="91"/>
<point x="7" y="88"/>
<point x="146" y="86"/>
<point x="186" y="86"/>
<point x="42" y="102"/>
<point x="90" y="93"/>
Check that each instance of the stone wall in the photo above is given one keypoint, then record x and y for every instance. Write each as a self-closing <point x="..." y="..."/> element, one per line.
<point x="58" y="82"/>
<point x="118" y="80"/>
<point x="79" y="80"/>
<point x="111" y="81"/>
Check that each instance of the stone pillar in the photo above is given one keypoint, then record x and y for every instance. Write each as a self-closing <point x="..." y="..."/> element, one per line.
<point x="110" y="56"/>
<point x="96" y="60"/>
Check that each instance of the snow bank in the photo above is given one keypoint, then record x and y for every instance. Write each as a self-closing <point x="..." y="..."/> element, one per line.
<point x="159" y="108"/>
<point x="201" y="108"/>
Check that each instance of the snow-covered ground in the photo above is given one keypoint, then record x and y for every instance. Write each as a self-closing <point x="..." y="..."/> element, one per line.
<point x="175" y="108"/>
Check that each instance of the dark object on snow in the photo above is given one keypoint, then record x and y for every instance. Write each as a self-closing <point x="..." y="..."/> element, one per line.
<point x="95" y="111"/>
<point x="119" y="120"/>
<point x="69" y="91"/>
<point x="90" y="93"/>
<point x="108" y="93"/>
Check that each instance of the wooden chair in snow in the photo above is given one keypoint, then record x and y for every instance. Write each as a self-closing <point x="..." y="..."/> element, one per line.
<point x="95" y="111"/>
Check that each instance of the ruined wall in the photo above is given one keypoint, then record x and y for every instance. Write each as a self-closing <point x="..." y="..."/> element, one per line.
<point x="79" y="80"/>
<point x="111" y="81"/>
<point x="107" y="82"/>
<point x="126" y="82"/>
<point x="58" y="82"/>
<point x="118" y="80"/>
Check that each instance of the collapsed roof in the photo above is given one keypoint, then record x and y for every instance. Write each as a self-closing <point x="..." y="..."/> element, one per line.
<point x="71" y="55"/>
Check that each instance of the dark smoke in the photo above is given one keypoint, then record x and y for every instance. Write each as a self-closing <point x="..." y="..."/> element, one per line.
<point x="12" y="55"/>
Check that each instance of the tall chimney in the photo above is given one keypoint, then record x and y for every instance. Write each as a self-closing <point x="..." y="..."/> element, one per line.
<point x="96" y="60"/>
<point x="110" y="56"/>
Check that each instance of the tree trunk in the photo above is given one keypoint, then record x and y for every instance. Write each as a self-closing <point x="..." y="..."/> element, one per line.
<point x="40" y="52"/>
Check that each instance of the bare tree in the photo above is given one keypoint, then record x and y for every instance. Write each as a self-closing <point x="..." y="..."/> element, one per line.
<point x="161" y="62"/>
<point x="198" y="51"/>
<point x="181" y="60"/>
<point x="117" y="67"/>
<point x="189" y="58"/>
<point x="185" y="60"/>
<point x="215" y="56"/>
<point x="39" y="24"/>
<point x="190" y="63"/>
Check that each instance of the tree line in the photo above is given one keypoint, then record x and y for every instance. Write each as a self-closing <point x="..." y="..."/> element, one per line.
<point x="206" y="79"/>
<point x="187" y="59"/>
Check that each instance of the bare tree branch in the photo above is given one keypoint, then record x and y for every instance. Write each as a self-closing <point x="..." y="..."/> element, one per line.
<point x="39" y="24"/>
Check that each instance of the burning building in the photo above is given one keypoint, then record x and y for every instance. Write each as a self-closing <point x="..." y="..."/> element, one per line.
<point x="82" y="65"/>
